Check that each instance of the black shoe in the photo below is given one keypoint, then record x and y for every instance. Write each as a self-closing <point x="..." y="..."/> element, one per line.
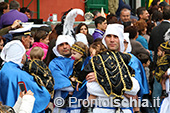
<point x="164" y="94"/>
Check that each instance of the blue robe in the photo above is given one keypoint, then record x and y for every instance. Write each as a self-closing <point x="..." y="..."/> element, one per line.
<point x="61" y="68"/>
<point x="140" y="75"/>
<point x="10" y="75"/>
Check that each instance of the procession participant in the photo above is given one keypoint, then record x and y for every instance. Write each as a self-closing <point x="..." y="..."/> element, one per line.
<point x="11" y="74"/>
<point x="111" y="81"/>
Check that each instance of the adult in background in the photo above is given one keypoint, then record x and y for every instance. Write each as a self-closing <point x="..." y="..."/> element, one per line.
<point x="4" y="8"/>
<point x="157" y="17"/>
<point x="142" y="13"/>
<point x="101" y="24"/>
<point x="136" y="46"/>
<point x="8" y="18"/>
<point x="25" y="38"/>
<point x="111" y="19"/>
<point x="96" y="14"/>
<point x="11" y="73"/>
<point x="154" y="6"/>
<point x="161" y="6"/>
<point x="142" y="28"/>
<point x="157" y="34"/>
<point x="125" y="15"/>
<point x="126" y="18"/>
<point x="26" y="11"/>
<point x="83" y="28"/>
<point x="15" y="25"/>
<point x="115" y="6"/>
<point x="41" y="39"/>
<point x="52" y="38"/>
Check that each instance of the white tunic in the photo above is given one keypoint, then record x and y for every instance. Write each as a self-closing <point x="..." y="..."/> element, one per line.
<point x="94" y="89"/>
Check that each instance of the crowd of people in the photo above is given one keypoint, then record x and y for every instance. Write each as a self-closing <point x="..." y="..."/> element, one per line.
<point x="126" y="57"/>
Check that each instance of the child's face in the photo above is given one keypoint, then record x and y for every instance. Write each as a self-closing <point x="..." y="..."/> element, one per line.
<point x="92" y="52"/>
<point x="159" y="53"/>
<point x="76" y="55"/>
<point x="148" y="63"/>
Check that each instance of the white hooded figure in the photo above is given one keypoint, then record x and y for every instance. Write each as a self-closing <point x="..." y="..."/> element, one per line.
<point x="127" y="41"/>
<point x="115" y="29"/>
<point x="14" y="51"/>
<point x="80" y="37"/>
<point x="165" y="106"/>
<point x="60" y="39"/>
<point x="95" y="89"/>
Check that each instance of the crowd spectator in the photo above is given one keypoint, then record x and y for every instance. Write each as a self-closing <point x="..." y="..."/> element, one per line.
<point x="136" y="46"/>
<point x="142" y="13"/>
<point x="101" y="24"/>
<point x="25" y="38"/>
<point x="41" y="39"/>
<point x="96" y="14"/>
<point x="4" y="8"/>
<point x="83" y="28"/>
<point x="161" y="6"/>
<point x="8" y="18"/>
<point x="111" y="19"/>
<point x="125" y="15"/>
<point x="15" y="25"/>
<point x="157" y="34"/>
<point x="26" y="11"/>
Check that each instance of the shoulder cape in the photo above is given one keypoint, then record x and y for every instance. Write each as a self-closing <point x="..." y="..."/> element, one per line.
<point x="112" y="72"/>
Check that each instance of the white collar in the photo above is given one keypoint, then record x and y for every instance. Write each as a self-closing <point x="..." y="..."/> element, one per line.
<point x="166" y="21"/>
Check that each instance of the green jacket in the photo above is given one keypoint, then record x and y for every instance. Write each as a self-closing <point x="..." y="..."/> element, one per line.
<point x="5" y="30"/>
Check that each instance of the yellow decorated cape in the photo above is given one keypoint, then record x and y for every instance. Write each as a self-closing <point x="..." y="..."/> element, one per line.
<point x="163" y="64"/>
